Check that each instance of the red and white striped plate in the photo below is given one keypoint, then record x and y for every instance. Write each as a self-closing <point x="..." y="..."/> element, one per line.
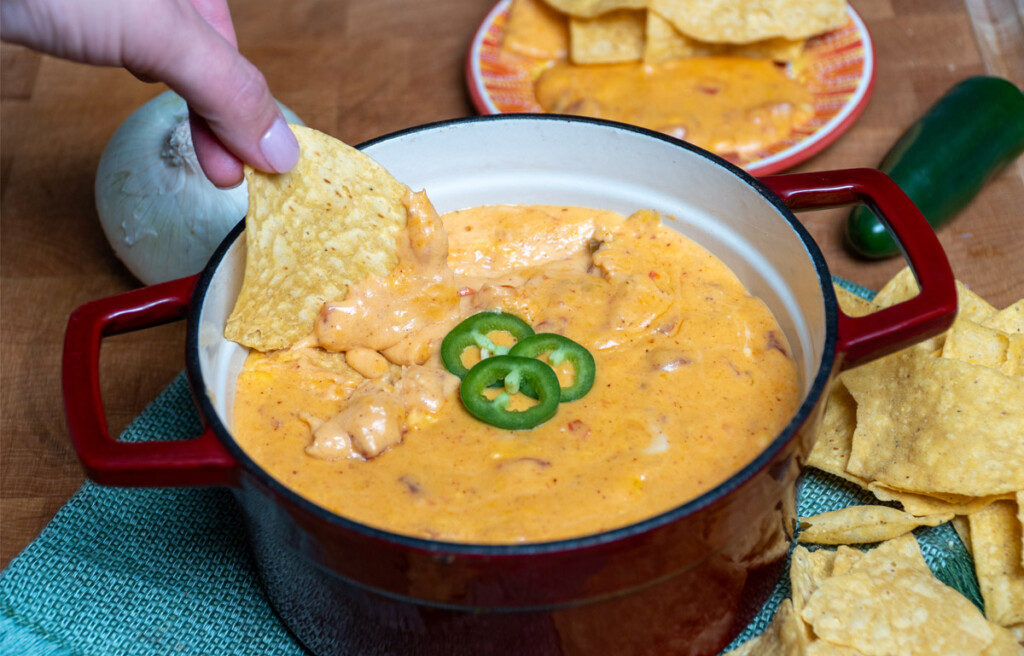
<point x="839" y="70"/>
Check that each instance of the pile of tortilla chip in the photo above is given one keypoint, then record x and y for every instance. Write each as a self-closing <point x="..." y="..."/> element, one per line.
<point x="654" y="31"/>
<point x="311" y="233"/>
<point x="884" y="601"/>
<point x="937" y="429"/>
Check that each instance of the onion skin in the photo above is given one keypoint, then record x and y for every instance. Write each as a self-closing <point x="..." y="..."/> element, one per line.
<point x="160" y="213"/>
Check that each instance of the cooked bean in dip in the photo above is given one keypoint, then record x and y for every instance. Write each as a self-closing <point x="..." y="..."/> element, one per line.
<point x="694" y="378"/>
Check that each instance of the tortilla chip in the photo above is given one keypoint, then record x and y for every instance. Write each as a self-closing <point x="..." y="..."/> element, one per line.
<point x="789" y="511"/>
<point x="922" y="505"/>
<point x="899" y="288"/>
<point x="1014" y="363"/>
<point x="1017" y="631"/>
<point x="534" y="29"/>
<point x="1020" y="522"/>
<point x="1009" y="320"/>
<point x="889" y="602"/>
<point x="853" y="304"/>
<point x="783" y="637"/>
<point x="975" y="343"/>
<point x="611" y="38"/>
<point x="971" y="306"/>
<point x="744" y="21"/>
<point x="311" y="233"/>
<point x="996" y="545"/>
<point x="834" y="440"/>
<point x="901" y="552"/>
<point x="862" y="524"/>
<point x="1004" y="643"/>
<point x="846" y="558"/>
<point x="807" y="569"/>
<point x="664" y="42"/>
<point x="962" y="526"/>
<point x="779" y="49"/>
<point x="592" y="8"/>
<point x="904" y="286"/>
<point x="825" y="648"/>
<point x="936" y="425"/>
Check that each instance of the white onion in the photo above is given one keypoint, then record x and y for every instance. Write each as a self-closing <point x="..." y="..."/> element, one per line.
<point x="160" y="214"/>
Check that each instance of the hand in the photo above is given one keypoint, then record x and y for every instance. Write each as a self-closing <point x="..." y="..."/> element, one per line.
<point x="189" y="45"/>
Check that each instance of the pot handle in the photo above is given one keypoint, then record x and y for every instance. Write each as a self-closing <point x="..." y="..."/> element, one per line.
<point x="932" y="311"/>
<point x="194" y="462"/>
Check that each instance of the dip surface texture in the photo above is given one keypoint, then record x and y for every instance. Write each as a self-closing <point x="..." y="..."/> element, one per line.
<point x="694" y="378"/>
<point x="729" y="105"/>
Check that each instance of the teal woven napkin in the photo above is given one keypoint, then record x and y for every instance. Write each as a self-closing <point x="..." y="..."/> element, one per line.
<point x="167" y="571"/>
<point x="141" y="571"/>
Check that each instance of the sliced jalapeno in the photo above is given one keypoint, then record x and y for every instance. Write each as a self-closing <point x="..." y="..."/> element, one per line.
<point x="515" y="372"/>
<point x="560" y="349"/>
<point x="473" y="331"/>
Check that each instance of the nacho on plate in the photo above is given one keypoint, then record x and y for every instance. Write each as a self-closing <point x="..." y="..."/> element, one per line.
<point x="723" y="76"/>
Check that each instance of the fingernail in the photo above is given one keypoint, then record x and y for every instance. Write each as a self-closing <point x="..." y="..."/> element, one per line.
<point x="279" y="146"/>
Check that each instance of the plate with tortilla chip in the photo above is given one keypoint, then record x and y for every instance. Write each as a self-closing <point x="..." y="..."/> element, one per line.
<point x="521" y="44"/>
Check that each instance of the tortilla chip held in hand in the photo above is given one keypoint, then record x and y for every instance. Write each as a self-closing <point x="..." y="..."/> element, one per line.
<point x="309" y="234"/>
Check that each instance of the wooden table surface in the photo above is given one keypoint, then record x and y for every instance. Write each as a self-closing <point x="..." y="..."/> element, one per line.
<point x="359" y="69"/>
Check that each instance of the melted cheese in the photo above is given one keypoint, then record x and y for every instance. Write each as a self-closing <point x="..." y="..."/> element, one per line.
<point x="693" y="380"/>
<point x="728" y="105"/>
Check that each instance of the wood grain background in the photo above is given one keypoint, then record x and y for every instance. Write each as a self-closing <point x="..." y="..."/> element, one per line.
<point x="359" y="69"/>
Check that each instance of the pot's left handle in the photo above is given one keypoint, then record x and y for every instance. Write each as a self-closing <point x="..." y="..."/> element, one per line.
<point x="195" y="462"/>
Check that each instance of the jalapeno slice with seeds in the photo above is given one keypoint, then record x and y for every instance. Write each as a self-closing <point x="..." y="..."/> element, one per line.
<point x="561" y="349"/>
<point x="473" y="331"/>
<point x="515" y="372"/>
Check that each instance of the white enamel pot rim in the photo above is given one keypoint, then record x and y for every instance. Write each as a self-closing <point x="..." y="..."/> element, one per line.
<point x="538" y="159"/>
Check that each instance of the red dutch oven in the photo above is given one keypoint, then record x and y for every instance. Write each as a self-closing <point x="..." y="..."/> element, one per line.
<point x="683" y="582"/>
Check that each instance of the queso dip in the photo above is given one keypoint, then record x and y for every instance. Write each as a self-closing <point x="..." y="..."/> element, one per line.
<point x="733" y="106"/>
<point x="694" y="378"/>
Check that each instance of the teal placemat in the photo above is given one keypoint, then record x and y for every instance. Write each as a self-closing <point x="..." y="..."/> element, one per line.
<point x="141" y="571"/>
<point x="167" y="571"/>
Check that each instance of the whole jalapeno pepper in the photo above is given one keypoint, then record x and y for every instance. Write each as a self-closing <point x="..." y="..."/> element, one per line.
<point x="945" y="158"/>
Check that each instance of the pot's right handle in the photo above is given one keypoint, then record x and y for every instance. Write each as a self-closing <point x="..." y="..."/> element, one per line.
<point x="200" y="461"/>
<point x="862" y="339"/>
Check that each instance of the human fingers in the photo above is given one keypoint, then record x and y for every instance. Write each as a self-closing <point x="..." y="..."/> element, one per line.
<point x="221" y="87"/>
<point x="218" y="16"/>
<point x="220" y="166"/>
<point x="171" y="41"/>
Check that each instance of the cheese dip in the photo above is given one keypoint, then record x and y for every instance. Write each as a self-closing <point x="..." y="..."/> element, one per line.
<point x="694" y="378"/>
